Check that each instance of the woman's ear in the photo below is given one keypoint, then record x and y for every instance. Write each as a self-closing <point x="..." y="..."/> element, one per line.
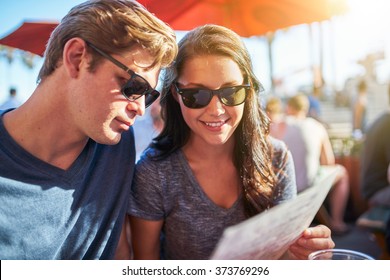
<point x="74" y="56"/>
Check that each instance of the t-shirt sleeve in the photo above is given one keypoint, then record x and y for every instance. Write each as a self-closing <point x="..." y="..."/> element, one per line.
<point x="146" y="196"/>
<point x="286" y="187"/>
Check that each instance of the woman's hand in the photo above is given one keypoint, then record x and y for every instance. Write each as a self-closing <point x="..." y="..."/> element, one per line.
<point x="312" y="239"/>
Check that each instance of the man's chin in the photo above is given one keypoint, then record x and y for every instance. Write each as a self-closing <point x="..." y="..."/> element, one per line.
<point x="113" y="140"/>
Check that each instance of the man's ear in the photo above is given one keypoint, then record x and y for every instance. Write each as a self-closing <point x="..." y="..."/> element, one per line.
<point x="74" y="55"/>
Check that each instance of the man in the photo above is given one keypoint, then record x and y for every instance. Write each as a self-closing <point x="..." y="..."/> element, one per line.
<point x="67" y="154"/>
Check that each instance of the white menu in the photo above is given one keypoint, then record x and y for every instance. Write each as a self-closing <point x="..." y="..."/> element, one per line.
<point x="268" y="235"/>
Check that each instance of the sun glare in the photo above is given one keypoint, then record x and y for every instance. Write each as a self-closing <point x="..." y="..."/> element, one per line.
<point x="373" y="13"/>
<point x="367" y="27"/>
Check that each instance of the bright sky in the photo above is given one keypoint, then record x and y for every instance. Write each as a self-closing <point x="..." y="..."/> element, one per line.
<point x="346" y="39"/>
<point x="12" y="14"/>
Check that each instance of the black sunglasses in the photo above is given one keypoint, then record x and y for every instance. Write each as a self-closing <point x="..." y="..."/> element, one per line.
<point x="196" y="98"/>
<point x="136" y="86"/>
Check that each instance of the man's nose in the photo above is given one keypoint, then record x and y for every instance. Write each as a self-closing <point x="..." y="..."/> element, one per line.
<point x="139" y="104"/>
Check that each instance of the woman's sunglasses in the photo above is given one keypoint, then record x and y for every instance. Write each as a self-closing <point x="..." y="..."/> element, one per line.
<point x="196" y="98"/>
<point x="136" y="86"/>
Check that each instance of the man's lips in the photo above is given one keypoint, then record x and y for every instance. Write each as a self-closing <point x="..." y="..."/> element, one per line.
<point x="124" y="123"/>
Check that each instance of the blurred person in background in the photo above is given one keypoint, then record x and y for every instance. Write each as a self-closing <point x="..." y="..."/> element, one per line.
<point x="309" y="144"/>
<point x="275" y="111"/>
<point x="147" y="127"/>
<point x="375" y="184"/>
<point x="375" y="166"/>
<point x="12" y="102"/>
<point x="314" y="104"/>
<point x="359" y="111"/>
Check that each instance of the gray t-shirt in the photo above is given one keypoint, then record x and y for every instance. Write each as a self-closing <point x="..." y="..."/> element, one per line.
<point x="168" y="190"/>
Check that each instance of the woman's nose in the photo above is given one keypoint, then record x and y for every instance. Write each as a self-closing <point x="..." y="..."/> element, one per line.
<point x="215" y="106"/>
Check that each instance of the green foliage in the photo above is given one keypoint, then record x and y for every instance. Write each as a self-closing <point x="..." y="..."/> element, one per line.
<point x="347" y="146"/>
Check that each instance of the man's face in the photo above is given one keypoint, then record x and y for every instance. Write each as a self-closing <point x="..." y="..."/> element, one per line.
<point x="102" y="112"/>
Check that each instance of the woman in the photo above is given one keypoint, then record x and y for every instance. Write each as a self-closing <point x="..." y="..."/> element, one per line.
<point x="213" y="165"/>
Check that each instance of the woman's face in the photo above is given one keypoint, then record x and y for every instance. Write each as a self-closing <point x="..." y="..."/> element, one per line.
<point x="215" y="123"/>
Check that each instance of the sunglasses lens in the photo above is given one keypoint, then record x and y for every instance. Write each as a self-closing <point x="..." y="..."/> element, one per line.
<point x="196" y="98"/>
<point x="233" y="96"/>
<point x="199" y="98"/>
<point x="151" y="97"/>
<point x="135" y="87"/>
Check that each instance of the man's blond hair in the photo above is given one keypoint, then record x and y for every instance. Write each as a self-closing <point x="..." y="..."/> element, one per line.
<point x="274" y="106"/>
<point x="114" y="26"/>
<point x="299" y="103"/>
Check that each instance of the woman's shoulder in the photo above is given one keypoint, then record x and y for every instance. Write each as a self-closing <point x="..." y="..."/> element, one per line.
<point x="278" y="146"/>
<point x="280" y="152"/>
<point x="150" y="158"/>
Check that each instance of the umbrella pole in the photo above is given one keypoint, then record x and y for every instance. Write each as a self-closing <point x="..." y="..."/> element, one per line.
<point x="321" y="56"/>
<point x="270" y="38"/>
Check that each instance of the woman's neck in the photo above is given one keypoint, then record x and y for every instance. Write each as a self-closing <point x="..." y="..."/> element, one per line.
<point x="196" y="150"/>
